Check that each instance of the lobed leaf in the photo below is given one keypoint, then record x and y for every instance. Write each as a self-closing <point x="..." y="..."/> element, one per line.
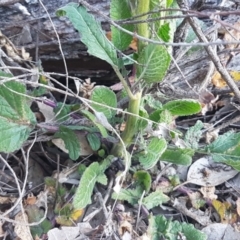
<point x="160" y="227"/>
<point x="130" y="195"/>
<point x="226" y="149"/>
<point x="155" y="199"/>
<point x="193" y="135"/>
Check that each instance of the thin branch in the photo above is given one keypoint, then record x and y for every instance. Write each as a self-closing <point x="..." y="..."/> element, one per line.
<point x="213" y="56"/>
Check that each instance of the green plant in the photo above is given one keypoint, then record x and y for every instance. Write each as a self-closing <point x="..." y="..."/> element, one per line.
<point x="150" y="63"/>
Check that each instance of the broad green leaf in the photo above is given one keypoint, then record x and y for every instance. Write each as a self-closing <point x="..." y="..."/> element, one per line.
<point x="130" y="195"/>
<point x="183" y="107"/>
<point x="16" y="118"/>
<point x="105" y="96"/>
<point x="226" y="149"/>
<point x="70" y="140"/>
<point x="162" y="228"/>
<point x="144" y="179"/>
<point x="193" y="135"/>
<point x="151" y="154"/>
<point x="164" y="32"/>
<point x="153" y="63"/>
<point x="120" y="10"/>
<point x="91" y="32"/>
<point x="224" y="142"/>
<point x="155" y="199"/>
<point x="92" y="117"/>
<point x="93" y="141"/>
<point x="178" y="156"/>
<point x="93" y="173"/>
<point x="84" y="191"/>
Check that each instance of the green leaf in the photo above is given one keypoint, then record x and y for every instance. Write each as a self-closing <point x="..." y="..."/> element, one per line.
<point x="106" y="163"/>
<point x="151" y="101"/>
<point x="93" y="141"/>
<point x="105" y="96"/>
<point x="164" y="32"/>
<point x="5" y="75"/>
<point x="183" y="107"/>
<point x="178" y="156"/>
<point x="162" y="228"/>
<point x="226" y="149"/>
<point x="91" y="32"/>
<point x="70" y="140"/>
<point x="155" y="199"/>
<point x="192" y="233"/>
<point x="155" y="116"/>
<point x="120" y="10"/>
<point x="37" y="92"/>
<point x="153" y="63"/>
<point x="142" y="123"/>
<point x="193" y="135"/>
<point x="16" y="118"/>
<point x="64" y="114"/>
<point x="143" y="178"/>
<point x="102" y="179"/>
<point x="94" y="173"/>
<point x="224" y="142"/>
<point x="92" y="117"/>
<point x="169" y="3"/>
<point x="130" y="195"/>
<point x="166" y="117"/>
<point x="152" y="153"/>
<point x="84" y="191"/>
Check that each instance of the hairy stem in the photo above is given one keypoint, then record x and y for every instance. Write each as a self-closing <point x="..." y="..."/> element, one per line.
<point x="142" y="28"/>
<point x="131" y="125"/>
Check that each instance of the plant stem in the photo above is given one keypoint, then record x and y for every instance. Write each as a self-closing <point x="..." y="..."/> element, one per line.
<point x="131" y="125"/>
<point x="142" y="28"/>
<point x="124" y="83"/>
<point x="142" y="7"/>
